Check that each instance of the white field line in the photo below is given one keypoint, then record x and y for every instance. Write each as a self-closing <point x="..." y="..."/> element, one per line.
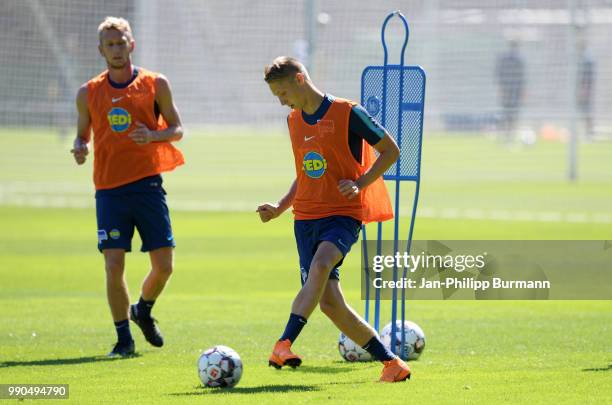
<point x="77" y="198"/>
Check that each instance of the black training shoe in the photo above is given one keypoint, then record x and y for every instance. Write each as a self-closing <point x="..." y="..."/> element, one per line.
<point x="123" y="350"/>
<point x="148" y="327"/>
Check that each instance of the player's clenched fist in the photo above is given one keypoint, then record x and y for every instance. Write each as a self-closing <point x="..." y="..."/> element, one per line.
<point x="80" y="151"/>
<point x="348" y="188"/>
<point x="267" y="211"/>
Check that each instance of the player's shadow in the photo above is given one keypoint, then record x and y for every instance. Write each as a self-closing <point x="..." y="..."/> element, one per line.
<point x="249" y="390"/>
<point x="609" y="368"/>
<point x="63" y="362"/>
<point x="323" y="369"/>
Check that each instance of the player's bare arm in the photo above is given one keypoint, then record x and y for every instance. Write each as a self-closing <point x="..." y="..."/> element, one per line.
<point x="268" y="211"/>
<point x="80" y="148"/>
<point x="163" y="96"/>
<point x="388" y="154"/>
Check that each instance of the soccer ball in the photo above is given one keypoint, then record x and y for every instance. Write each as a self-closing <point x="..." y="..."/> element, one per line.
<point x="351" y="351"/>
<point x="414" y="339"/>
<point x="220" y="366"/>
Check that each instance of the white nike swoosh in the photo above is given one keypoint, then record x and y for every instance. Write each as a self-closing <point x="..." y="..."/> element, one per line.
<point x="114" y="100"/>
<point x="308" y="138"/>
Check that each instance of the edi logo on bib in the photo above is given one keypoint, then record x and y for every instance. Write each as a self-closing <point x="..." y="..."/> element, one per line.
<point x="119" y="119"/>
<point x="314" y="165"/>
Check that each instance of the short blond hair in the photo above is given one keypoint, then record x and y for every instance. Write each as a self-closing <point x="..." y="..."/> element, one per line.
<point x="117" y="23"/>
<point x="284" y="67"/>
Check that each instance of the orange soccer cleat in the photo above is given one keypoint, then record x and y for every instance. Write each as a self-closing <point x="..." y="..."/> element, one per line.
<point x="282" y="356"/>
<point x="395" y="370"/>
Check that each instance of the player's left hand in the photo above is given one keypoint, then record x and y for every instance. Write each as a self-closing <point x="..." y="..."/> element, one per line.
<point x="141" y="135"/>
<point x="267" y="211"/>
<point x="348" y="188"/>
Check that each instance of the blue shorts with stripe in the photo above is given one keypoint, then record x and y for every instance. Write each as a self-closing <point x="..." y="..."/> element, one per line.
<point x="342" y="231"/>
<point x="140" y="205"/>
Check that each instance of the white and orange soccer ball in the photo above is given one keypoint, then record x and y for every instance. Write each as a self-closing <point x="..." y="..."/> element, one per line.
<point x="220" y="366"/>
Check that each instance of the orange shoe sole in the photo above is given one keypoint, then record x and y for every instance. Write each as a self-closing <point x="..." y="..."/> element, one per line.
<point x="293" y="363"/>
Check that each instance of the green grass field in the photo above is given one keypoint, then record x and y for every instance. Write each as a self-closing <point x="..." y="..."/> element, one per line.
<point x="235" y="279"/>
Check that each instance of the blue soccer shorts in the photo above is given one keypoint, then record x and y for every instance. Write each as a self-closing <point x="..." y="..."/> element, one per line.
<point x="141" y="205"/>
<point x="342" y="231"/>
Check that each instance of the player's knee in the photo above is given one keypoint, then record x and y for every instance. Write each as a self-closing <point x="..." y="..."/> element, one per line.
<point x="165" y="268"/>
<point x="320" y="268"/>
<point x="114" y="268"/>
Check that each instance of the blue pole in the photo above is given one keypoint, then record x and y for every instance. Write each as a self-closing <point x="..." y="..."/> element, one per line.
<point x="366" y="269"/>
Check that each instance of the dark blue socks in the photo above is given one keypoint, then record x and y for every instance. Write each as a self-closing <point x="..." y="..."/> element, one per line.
<point x="378" y="350"/>
<point x="144" y="308"/>
<point x="294" y="327"/>
<point x="123" y="331"/>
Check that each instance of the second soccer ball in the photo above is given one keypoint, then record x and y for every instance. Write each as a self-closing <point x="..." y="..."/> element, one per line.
<point x="414" y="339"/>
<point x="351" y="351"/>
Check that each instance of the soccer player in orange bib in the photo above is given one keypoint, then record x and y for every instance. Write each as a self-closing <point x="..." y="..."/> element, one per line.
<point x="338" y="187"/>
<point x="134" y="120"/>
